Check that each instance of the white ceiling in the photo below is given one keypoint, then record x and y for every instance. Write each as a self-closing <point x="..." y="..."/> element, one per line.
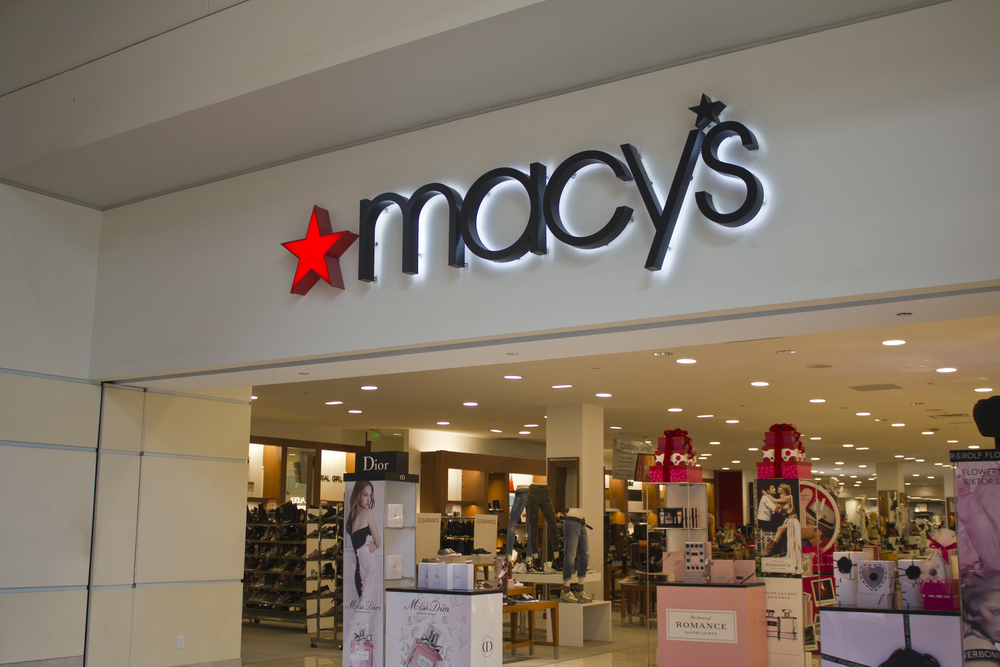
<point x="203" y="95"/>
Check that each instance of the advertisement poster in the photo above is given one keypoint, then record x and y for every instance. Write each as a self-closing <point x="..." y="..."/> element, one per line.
<point x="434" y="630"/>
<point x="889" y="639"/>
<point x="977" y="498"/>
<point x="779" y="529"/>
<point x="785" y="628"/>
<point x="363" y="573"/>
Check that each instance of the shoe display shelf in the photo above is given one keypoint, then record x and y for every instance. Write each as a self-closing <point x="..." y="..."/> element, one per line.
<point x="324" y="583"/>
<point x="274" y="569"/>
<point x="457" y="535"/>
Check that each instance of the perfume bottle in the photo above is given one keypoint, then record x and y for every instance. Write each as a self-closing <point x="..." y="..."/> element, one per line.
<point x="362" y="651"/>
<point x="426" y="652"/>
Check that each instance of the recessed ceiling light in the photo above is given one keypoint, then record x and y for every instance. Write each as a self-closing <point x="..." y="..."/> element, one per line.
<point x="927" y="433"/>
<point x="848" y="445"/>
<point x="863" y="414"/>
<point x="616" y="428"/>
<point x="973" y="446"/>
<point x="470" y="404"/>
<point x="894" y="342"/>
<point x="839" y="463"/>
<point x="815" y="458"/>
<point x="705" y="416"/>
<point x="952" y="442"/>
<point x="725" y="468"/>
<point x="444" y="423"/>
<point x="675" y="410"/>
<point x="817" y="400"/>
<point x="862" y="466"/>
<point x="946" y="370"/>
<point x="898" y="425"/>
<point x="916" y="475"/>
<point x="758" y="384"/>
<point x="531" y="426"/>
<point x="524" y="432"/>
<point x="495" y="430"/>
<point x="687" y="361"/>
<point x="910" y="458"/>
<point x="899" y="456"/>
<point x="855" y="477"/>
<point x="603" y="395"/>
<point x="907" y="483"/>
<point x="860" y="449"/>
<point x="732" y="421"/>
<point x="836" y="469"/>
<point x="354" y="412"/>
<point x="334" y="402"/>
<point x="983" y="390"/>
<point x="700" y="455"/>
<point x="930" y="476"/>
<point x="511" y="377"/>
<point x="786" y="352"/>
<point x="752" y="449"/>
<point x="716" y="442"/>
<point x="815" y="437"/>
<point x="254" y="398"/>
<point x="735" y="461"/>
<point x="369" y="387"/>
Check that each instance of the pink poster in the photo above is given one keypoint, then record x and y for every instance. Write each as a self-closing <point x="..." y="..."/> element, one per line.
<point x="977" y="496"/>
<point x="363" y="573"/>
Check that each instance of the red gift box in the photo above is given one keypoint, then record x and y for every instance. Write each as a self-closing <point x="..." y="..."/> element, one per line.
<point x="656" y="475"/>
<point x="796" y="470"/>
<point x="683" y="474"/>
<point x="940" y="593"/>
<point x="768" y="469"/>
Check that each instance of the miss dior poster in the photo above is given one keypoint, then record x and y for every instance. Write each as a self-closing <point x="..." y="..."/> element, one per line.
<point x="977" y="498"/>
<point x="363" y="573"/>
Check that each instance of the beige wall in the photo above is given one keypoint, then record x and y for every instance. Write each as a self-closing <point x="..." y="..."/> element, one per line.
<point x="167" y="533"/>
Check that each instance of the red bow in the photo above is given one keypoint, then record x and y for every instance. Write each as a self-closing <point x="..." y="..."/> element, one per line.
<point x="676" y="433"/>
<point x="778" y="428"/>
<point x="937" y="545"/>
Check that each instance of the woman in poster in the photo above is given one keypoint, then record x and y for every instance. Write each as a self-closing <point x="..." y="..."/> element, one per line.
<point x="981" y="614"/>
<point x="364" y="537"/>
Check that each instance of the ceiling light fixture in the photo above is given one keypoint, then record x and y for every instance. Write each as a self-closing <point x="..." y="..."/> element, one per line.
<point x="354" y="412"/>
<point x="735" y="461"/>
<point x="495" y="430"/>
<point x="511" y="377"/>
<point x="863" y="414"/>
<point x="927" y="433"/>
<point x="973" y="446"/>
<point x="444" y="423"/>
<point x="817" y="400"/>
<point x="524" y="432"/>
<point x="705" y="416"/>
<point x="687" y="361"/>
<point x="983" y="390"/>
<point x="675" y="410"/>
<point x="815" y="458"/>
<point x="758" y="384"/>
<point x="334" y="402"/>
<point x="732" y="421"/>
<point x="531" y="426"/>
<point x="860" y="449"/>
<point x="946" y="370"/>
<point x="891" y="343"/>
<point x="716" y="442"/>
<point x="254" y="398"/>
<point x="369" y="387"/>
<point x="470" y="404"/>
<point x="898" y="425"/>
<point x="562" y="386"/>
<point x="616" y="428"/>
<point x="952" y="442"/>
<point x="899" y="456"/>
<point x="752" y="449"/>
<point x="603" y="395"/>
<point x="815" y="437"/>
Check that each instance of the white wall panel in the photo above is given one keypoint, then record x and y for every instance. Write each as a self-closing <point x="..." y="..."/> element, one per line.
<point x="869" y="189"/>
<point x="46" y="411"/>
<point x="121" y="421"/>
<point x="46" y="522"/>
<point x="192" y="520"/>
<point x="114" y="534"/>
<point x="48" y="277"/>
<point x="110" y="626"/>
<point x="45" y="625"/>
<point x="198" y="427"/>
<point x="207" y="616"/>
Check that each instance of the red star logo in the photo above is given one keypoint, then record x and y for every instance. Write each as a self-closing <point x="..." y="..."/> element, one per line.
<point x="318" y="253"/>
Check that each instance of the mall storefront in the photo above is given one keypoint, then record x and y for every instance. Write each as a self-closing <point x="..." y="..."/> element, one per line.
<point x="843" y="169"/>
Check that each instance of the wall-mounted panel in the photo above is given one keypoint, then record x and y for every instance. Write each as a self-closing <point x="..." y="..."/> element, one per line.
<point x="121" y="419"/>
<point x="117" y="505"/>
<point x="52" y="412"/>
<point x="46" y="524"/>
<point x="207" y="616"/>
<point x="110" y="626"/>
<point x="192" y="519"/>
<point x="47" y="625"/>
<point x="196" y="427"/>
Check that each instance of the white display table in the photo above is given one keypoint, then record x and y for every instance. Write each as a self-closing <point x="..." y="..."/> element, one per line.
<point x="466" y="626"/>
<point x="590" y="621"/>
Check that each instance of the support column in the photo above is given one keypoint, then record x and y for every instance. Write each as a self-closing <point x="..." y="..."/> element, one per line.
<point x="889" y="476"/>
<point x="578" y="431"/>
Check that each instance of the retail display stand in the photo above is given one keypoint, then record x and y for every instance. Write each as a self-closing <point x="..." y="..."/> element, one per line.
<point x="274" y="566"/>
<point x="428" y="627"/>
<point x="324" y="584"/>
<point x="684" y="515"/>
<point x="369" y="560"/>
<point x="709" y="624"/>
<point x="854" y="636"/>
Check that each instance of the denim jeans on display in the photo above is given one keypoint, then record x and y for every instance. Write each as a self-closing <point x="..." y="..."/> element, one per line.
<point x="538" y="499"/>
<point x="520" y="498"/>
<point x="575" y="534"/>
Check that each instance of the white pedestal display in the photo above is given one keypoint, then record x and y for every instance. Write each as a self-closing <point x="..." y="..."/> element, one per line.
<point x="590" y="621"/>
<point x="466" y="627"/>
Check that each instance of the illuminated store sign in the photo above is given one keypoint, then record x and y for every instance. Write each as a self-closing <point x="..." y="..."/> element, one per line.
<point x="544" y="196"/>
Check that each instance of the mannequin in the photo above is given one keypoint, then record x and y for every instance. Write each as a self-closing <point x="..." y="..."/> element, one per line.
<point x="520" y="500"/>
<point x="539" y="501"/>
<point x="575" y="535"/>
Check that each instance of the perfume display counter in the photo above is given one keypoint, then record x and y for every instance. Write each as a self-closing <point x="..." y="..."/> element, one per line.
<point x="712" y="624"/>
<point x="466" y="627"/>
<point x="868" y="636"/>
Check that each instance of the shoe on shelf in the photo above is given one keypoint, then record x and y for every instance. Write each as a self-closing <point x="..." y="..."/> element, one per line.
<point x="480" y="552"/>
<point x="549" y="568"/>
<point x="447" y="552"/>
<point x="536" y="566"/>
<point x="519" y="568"/>
<point x="568" y="596"/>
